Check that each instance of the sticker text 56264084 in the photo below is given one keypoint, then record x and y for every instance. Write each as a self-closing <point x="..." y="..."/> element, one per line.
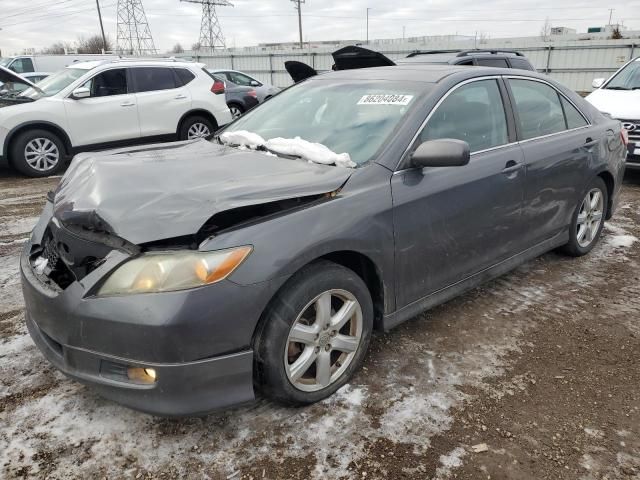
<point x="384" y="99"/>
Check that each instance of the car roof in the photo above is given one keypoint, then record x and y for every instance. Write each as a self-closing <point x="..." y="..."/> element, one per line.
<point x="134" y="63"/>
<point x="424" y="73"/>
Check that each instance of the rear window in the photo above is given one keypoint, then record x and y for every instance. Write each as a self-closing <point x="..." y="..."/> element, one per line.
<point x="492" y="62"/>
<point x="521" y="63"/>
<point x="184" y="76"/>
<point x="149" y="79"/>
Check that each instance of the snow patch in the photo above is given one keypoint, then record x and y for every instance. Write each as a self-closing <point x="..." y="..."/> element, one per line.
<point x="242" y="138"/>
<point x="313" y="152"/>
<point x="450" y="461"/>
<point x="17" y="226"/>
<point x="622" y="241"/>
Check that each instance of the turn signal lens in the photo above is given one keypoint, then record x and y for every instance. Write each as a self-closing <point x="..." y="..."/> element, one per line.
<point x="170" y="271"/>
<point x="624" y="134"/>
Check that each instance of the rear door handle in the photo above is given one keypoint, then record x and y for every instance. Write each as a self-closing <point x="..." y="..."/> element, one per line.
<point x="180" y="97"/>
<point x="128" y="104"/>
<point x="511" y="166"/>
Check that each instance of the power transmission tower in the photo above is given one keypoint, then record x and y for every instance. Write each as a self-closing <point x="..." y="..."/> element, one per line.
<point x="134" y="35"/>
<point x="211" y="36"/>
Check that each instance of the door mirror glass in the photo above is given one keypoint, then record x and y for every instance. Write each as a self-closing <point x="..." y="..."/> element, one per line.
<point x="255" y="83"/>
<point x="81" y="92"/>
<point x="597" y="82"/>
<point x="441" y="153"/>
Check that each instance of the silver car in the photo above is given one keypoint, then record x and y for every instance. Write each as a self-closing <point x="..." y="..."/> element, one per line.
<point x="264" y="90"/>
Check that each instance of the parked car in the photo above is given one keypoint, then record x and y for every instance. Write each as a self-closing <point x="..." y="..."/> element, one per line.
<point x="48" y="63"/>
<point x="179" y="280"/>
<point x="354" y="57"/>
<point x="97" y="105"/>
<point x="16" y="85"/>
<point x="264" y="90"/>
<point x="239" y="99"/>
<point x="619" y="96"/>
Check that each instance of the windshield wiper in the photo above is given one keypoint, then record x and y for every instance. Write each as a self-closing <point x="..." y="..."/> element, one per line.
<point x="617" y="88"/>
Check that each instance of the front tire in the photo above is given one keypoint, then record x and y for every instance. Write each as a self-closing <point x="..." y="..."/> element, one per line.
<point x="236" y="110"/>
<point x="37" y="153"/>
<point x="315" y="334"/>
<point x="588" y="219"/>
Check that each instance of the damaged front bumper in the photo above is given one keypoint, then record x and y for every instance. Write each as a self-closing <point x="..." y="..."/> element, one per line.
<point x="198" y="341"/>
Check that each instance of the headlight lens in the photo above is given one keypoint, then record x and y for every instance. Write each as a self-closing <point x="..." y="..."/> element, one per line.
<point x="165" y="272"/>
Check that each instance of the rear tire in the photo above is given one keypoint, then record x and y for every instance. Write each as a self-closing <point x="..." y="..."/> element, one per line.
<point x="37" y="153"/>
<point x="315" y="334"/>
<point x="236" y="110"/>
<point x="196" y="127"/>
<point x="588" y="218"/>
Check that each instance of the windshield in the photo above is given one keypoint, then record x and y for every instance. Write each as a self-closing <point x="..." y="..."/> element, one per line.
<point x="54" y="83"/>
<point x="626" y="79"/>
<point x="354" y="117"/>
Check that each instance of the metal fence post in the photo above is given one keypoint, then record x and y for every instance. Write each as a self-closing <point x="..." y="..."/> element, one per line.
<point x="271" y="67"/>
<point x="232" y="62"/>
<point x="633" y="47"/>
<point x="547" y="70"/>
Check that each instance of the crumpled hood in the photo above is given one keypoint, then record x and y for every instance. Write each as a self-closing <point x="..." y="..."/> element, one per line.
<point x="7" y="75"/>
<point x="152" y="193"/>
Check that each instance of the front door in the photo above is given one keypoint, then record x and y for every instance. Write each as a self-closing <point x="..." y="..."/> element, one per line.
<point x="452" y="222"/>
<point x="110" y="114"/>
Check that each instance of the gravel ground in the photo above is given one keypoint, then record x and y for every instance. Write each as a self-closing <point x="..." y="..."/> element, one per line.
<point x="537" y="370"/>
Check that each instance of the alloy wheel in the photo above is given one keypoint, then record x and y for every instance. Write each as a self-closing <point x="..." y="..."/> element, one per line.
<point x="41" y="154"/>
<point x="323" y="340"/>
<point x="198" y="130"/>
<point x="590" y="217"/>
<point x="235" y="111"/>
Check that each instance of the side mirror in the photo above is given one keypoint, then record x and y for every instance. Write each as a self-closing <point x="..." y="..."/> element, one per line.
<point x="3" y="92"/>
<point x="81" y="92"/>
<point x="255" y="83"/>
<point x="597" y="82"/>
<point x="441" y="153"/>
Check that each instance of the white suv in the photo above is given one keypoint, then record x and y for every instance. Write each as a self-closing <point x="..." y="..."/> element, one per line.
<point x="103" y="104"/>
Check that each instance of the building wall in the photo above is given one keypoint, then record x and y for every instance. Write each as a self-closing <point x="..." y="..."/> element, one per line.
<point x="575" y="62"/>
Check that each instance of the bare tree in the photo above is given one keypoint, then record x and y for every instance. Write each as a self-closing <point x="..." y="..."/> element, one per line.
<point x="177" y="48"/>
<point x="616" y="34"/>
<point x="545" y="31"/>
<point x="93" y="44"/>
<point x="58" y="48"/>
<point x="195" y="47"/>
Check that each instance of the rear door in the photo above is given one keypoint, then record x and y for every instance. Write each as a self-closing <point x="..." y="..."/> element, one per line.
<point x="162" y="99"/>
<point x="558" y="144"/>
<point x="452" y="222"/>
<point x="109" y="114"/>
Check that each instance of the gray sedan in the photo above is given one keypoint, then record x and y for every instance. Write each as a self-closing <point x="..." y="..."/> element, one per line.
<point x="181" y="278"/>
<point x="264" y="90"/>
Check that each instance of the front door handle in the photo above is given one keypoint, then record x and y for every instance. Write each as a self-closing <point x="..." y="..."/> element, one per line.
<point x="127" y="104"/>
<point x="511" y="166"/>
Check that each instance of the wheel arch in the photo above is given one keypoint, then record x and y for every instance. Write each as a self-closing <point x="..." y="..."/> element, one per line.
<point x="37" y="125"/>
<point x="197" y="112"/>
<point x="610" y="183"/>
<point x="361" y="265"/>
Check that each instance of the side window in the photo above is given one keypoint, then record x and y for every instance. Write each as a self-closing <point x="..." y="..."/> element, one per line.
<point x="240" y="79"/>
<point x="492" y="62"/>
<point x="184" y="76"/>
<point x="22" y="65"/>
<point x="473" y="113"/>
<point x="574" y="117"/>
<point x="108" y="83"/>
<point x="538" y="108"/>
<point x="521" y="63"/>
<point x="149" y="79"/>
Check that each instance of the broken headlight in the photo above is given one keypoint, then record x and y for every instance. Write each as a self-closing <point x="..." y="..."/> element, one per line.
<point x="170" y="271"/>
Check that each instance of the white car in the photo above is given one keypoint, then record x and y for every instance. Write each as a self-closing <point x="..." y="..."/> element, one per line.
<point x="104" y="104"/>
<point x="619" y="96"/>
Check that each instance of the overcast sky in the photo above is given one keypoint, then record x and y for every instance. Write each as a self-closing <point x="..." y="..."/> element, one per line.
<point x="43" y="22"/>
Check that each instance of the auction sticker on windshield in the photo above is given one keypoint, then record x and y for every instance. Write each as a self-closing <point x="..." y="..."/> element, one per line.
<point x="385" y="99"/>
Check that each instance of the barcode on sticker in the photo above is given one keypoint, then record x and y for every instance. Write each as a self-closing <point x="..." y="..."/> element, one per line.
<point x="385" y="100"/>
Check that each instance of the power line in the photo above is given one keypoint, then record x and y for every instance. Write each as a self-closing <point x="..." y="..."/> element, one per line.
<point x="30" y="10"/>
<point x="47" y="16"/>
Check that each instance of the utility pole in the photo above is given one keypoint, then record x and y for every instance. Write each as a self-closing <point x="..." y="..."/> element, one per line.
<point x="368" y="8"/>
<point x="297" y="7"/>
<point x="610" y="15"/>
<point x="104" y="39"/>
